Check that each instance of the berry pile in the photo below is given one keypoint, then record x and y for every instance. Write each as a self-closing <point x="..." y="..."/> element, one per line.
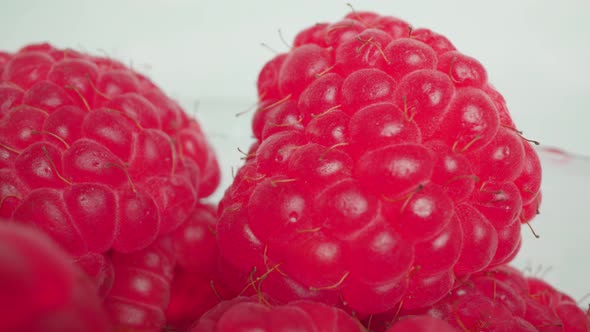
<point x="385" y="167"/>
<point x="41" y="290"/>
<point x="385" y="192"/>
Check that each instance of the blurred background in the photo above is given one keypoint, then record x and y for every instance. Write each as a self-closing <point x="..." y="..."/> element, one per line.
<point x="207" y="55"/>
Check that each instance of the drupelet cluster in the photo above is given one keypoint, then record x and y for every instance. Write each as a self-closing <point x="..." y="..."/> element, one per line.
<point x="386" y="166"/>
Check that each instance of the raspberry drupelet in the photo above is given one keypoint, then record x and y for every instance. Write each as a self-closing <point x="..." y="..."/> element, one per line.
<point x="386" y="166"/>
<point x="94" y="154"/>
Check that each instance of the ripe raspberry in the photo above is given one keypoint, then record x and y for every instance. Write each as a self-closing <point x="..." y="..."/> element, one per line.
<point x="169" y="284"/>
<point x="197" y="285"/>
<point x="141" y="289"/>
<point x="502" y="299"/>
<point x="99" y="268"/>
<point x="191" y="296"/>
<point x="245" y="314"/>
<point x="41" y="290"/>
<point x="385" y="165"/>
<point x="94" y="153"/>
<point x="421" y="324"/>
<point x="195" y="244"/>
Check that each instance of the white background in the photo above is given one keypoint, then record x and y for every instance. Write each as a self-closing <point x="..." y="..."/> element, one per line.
<point x="536" y="51"/>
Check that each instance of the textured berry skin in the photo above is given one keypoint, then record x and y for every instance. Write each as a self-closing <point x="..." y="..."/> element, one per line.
<point x="141" y="289"/>
<point x="171" y="283"/>
<point x="41" y="290"/>
<point x="195" y="244"/>
<point x="500" y="299"/>
<point x="421" y="324"/>
<point x="197" y="285"/>
<point x="245" y="314"/>
<point x="99" y="268"/>
<point x="191" y="296"/>
<point x="94" y="153"/>
<point x="386" y="166"/>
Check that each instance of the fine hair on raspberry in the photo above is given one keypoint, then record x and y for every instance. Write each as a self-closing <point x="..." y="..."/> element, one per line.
<point x="94" y="154"/>
<point x="386" y="167"/>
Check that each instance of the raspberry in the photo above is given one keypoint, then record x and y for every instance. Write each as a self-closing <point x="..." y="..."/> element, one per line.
<point x="245" y="314"/>
<point x="172" y="282"/>
<point x="195" y="245"/>
<point x="41" y="289"/>
<point x="94" y="153"/>
<point x="385" y="167"/>
<point x="99" y="268"/>
<point x="197" y="285"/>
<point x="421" y="324"/>
<point x="499" y="299"/>
<point x="141" y="289"/>
<point x="191" y="296"/>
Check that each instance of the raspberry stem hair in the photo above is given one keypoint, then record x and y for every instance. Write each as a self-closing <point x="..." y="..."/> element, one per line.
<point x="48" y="157"/>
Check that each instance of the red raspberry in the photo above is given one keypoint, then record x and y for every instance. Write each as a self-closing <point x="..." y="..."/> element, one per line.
<point x="99" y="268"/>
<point x="94" y="153"/>
<point x="386" y="165"/>
<point x="501" y="299"/>
<point x="171" y="283"/>
<point x="141" y="289"/>
<point x="195" y="244"/>
<point x="421" y="324"/>
<point x="41" y="290"/>
<point x="191" y="296"/>
<point x="197" y="285"/>
<point x="245" y="314"/>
